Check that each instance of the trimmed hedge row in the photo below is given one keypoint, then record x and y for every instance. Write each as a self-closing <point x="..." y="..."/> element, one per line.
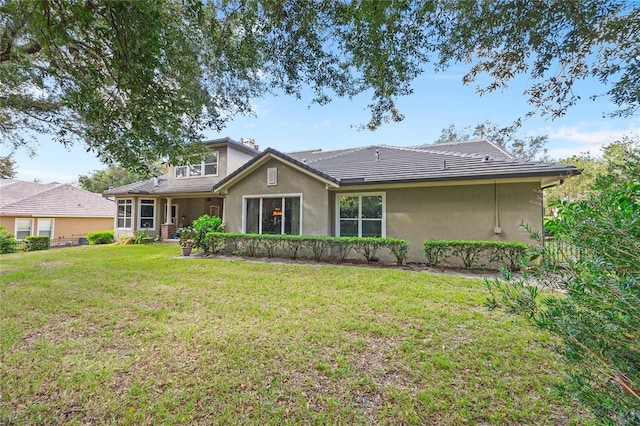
<point x="507" y="253"/>
<point x="316" y="247"/>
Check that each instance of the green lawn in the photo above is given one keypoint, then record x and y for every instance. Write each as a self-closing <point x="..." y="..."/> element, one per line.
<point x="136" y="334"/>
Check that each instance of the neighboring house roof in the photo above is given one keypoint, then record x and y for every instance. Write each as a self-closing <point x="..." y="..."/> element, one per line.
<point x="19" y="198"/>
<point x="385" y="164"/>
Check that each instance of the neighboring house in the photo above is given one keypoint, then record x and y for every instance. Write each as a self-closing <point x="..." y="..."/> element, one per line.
<point x="157" y="206"/>
<point x="470" y="190"/>
<point x="59" y="211"/>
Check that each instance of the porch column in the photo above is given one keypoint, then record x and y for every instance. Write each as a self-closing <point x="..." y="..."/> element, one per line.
<point x="168" y="229"/>
<point x="168" y="210"/>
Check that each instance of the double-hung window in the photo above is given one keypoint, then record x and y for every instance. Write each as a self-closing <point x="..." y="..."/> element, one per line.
<point x="125" y="212"/>
<point x="207" y="167"/>
<point x="360" y="215"/>
<point x="147" y="214"/>
<point x="24" y="228"/>
<point x="45" y="228"/>
<point x="273" y="215"/>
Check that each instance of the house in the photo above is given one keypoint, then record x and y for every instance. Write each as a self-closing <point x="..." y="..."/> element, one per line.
<point x="157" y="206"/>
<point x="469" y="190"/>
<point x="59" y="211"/>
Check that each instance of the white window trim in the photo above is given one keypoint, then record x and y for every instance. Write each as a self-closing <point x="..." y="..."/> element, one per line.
<point x="15" y="227"/>
<point x="202" y="167"/>
<point x="53" y="224"/>
<point x="155" y="214"/>
<point x="361" y="194"/>
<point x="132" y="213"/>
<point x="261" y="196"/>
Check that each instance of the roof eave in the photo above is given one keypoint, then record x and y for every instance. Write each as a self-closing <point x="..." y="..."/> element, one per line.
<point x="555" y="173"/>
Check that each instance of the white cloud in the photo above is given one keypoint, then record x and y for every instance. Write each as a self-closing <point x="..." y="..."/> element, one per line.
<point x="584" y="137"/>
<point x="250" y="125"/>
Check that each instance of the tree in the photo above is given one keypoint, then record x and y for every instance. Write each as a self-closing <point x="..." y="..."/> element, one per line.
<point x="140" y="80"/>
<point x="597" y="315"/>
<point x="581" y="186"/>
<point x="523" y="147"/>
<point x="111" y="177"/>
<point x="8" y="167"/>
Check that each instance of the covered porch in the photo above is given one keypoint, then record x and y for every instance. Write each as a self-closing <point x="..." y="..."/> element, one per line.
<point x="178" y="211"/>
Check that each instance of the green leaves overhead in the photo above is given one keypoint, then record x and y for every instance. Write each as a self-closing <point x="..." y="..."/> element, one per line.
<point x="140" y="80"/>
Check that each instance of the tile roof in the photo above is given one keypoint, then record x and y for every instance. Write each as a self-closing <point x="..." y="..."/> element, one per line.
<point x="384" y="164"/>
<point x="479" y="146"/>
<point x="158" y="185"/>
<point x="19" y="198"/>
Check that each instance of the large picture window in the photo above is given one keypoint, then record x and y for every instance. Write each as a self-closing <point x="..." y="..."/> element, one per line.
<point x="124" y="214"/>
<point x="360" y="215"/>
<point x="45" y="228"/>
<point x="23" y="228"/>
<point x="273" y="215"/>
<point x="207" y="167"/>
<point x="147" y="214"/>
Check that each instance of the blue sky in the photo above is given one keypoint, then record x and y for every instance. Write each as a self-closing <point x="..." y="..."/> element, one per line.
<point x="288" y="124"/>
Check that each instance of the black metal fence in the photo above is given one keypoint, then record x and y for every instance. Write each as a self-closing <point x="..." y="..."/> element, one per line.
<point x="59" y="242"/>
<point x="560" y="252"/>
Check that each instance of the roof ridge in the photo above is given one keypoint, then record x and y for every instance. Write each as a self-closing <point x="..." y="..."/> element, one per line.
<point x="496" y="146"/>
<point x="462" y="154"/>
<point x="340" y="154"/>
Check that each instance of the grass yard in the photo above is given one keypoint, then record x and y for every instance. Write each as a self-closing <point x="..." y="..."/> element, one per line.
<point x="137" y="335"/>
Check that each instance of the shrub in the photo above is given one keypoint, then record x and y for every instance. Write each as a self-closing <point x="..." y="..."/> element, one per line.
<point x="435" y="251"/>
<point x="508" y="254"/>
<point x="8" y="243"/>
<point x="597" y="314"/>
<point x="202" y="226"/>
<point x="368" y="246"/>
<point x="344" y="245"/>
<point x="270" y="244"/>
<point x="399" y="248"/>
<point x="291" y="245"/>
<point x="36" y="243"/>
<point x="317" y="246"/>
<point x="100" y="237"/>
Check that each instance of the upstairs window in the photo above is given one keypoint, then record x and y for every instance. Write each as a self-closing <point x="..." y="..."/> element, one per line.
<point x="207" y="167"/>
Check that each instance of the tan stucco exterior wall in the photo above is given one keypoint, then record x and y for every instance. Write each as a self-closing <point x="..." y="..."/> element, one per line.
<point x="315" y="202"/>
<point x="414" y="214"/>
<point x="63" y="227"/>
<point x="461" y="212"/>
